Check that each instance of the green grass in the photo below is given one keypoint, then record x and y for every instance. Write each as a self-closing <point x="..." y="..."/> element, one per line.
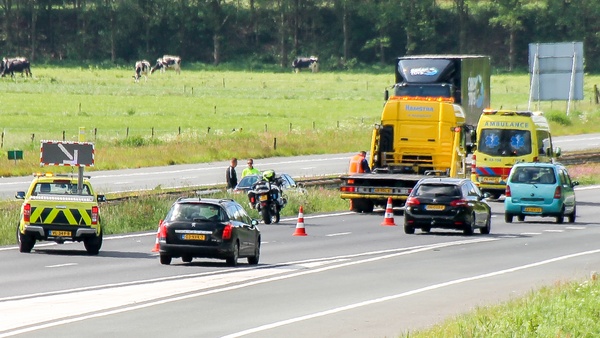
<point x="567" y="309"/>
<point x="208" y="115"/>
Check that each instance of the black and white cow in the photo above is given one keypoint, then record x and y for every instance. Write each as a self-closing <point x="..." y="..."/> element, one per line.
<point x="13" y="65"/>
<point x="142" y="68"/>
<point x="303" y="62"/>
<point x="167" y="62"/>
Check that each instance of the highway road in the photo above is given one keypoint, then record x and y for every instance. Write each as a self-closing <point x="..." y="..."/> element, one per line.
<point x="350" y="277"/>
<point x="208" y="174"/>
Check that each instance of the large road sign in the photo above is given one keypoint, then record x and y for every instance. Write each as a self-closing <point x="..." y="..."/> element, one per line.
<point x="63" y="153"/>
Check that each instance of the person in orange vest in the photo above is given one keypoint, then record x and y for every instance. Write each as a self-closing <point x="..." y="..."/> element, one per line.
<point x="359" y="163"/>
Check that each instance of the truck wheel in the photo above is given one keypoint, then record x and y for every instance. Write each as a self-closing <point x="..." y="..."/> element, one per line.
<point x="26" y="242"/>
<point x="93" y="245"/>
<point x="362" y="205"/>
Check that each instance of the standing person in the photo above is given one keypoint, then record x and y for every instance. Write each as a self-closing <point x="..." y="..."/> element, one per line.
<point x="359" y="163"/>
<point x="231" y="175"/>
<point x="250" y="170"/>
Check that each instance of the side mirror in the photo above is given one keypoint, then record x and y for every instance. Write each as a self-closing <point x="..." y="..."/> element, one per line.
<point x="101" y="198"/>
<point x="557" y="152"/>
<point x="486" y="195"/>
<point x="20" y="195"/>
<point x="254" y="223"/>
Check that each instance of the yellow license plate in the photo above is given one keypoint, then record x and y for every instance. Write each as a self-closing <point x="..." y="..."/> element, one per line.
<point x="489" y="179"/>
<point x="263" y="197"/>
<point x="383" y="190"/>
<point x="59" y="233"/>
<point x="194" y="237"/>
<point x="532" y="209"/>
<point x="434" y="207"/>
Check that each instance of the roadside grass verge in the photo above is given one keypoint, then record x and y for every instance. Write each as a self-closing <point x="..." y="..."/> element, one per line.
<point x="565" y="309"/>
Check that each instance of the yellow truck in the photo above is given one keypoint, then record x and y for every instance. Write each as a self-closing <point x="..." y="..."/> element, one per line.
<point x="57" y="208"/>
<point x="506" y="137"/>
<point x="427" y="127"/>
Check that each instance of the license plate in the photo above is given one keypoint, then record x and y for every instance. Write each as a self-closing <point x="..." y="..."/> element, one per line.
<point x="434" y="207"/>
<point x="263" y="197"/>
<point x="193" y="237"/>
<point x="533" y="209"/>
<point x="489" y="179"/>
<point x="383" y="190"/>
<point x="59" y="233"/>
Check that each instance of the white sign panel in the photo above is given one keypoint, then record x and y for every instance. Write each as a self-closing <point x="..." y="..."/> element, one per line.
<point x="556" y="71"/>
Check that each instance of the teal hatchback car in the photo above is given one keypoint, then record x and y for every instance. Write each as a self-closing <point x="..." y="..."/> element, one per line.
<point x="540" y="189"/>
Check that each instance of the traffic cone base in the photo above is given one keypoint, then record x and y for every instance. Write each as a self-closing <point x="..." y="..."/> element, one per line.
<point x="388" y="219"/>
<point x="300" y="231"/>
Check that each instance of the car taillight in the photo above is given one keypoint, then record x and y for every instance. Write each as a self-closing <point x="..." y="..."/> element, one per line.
<point x="227" y="231"/>
<point x="348" y="189"/>
<point x="473" y="164"/>
<point x="252" y="200"/>
<point x="557" y="192"/>
<point x="26" y="212"/>
<point x="507" y="191"/>
<point x="95" y="215"/>
<point x="411" y="202"/>
<point x="459" y="203"/>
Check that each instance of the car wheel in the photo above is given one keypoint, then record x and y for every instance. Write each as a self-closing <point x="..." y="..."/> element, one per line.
<point x="165" y="259"/>
<point x="266" y="215"/>
<point x="232" y="260"/>
<point x="468" y="230"/>
<point x="508" y="217"/>
<point x="253" y="260"/>
<point x="26" y="242"/>
<point x="186" y="258"/>
<point x="561" y="217"/>
<point x="426" y="229"/>
<point x="488" y="226"/>
<point x="521" y="218"/>
<point x="93" y="245"/>
<point x="573" y="215"/>
<point x="409" y="230"/>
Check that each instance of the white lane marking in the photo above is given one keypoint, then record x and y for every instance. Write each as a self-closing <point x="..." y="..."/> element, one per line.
<point x="530" y="233"/>
<point x="405" y="294"/>
<point x="576" y="228"/>
<point x="123" y="182"/>
<point x="52" y="310"/>
<point x="60" y="265"/>
<point x="339" y="234"/>
<point x="553" y="230"/>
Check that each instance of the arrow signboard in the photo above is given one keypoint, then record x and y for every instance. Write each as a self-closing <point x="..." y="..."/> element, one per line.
<point x="78" y="154"/>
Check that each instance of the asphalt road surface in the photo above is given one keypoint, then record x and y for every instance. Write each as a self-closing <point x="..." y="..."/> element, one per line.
<point x="209" y="174"/>
<point x="350" y="277"/>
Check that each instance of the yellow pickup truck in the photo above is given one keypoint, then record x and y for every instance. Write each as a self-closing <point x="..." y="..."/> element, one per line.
<point x="57" y="208"/>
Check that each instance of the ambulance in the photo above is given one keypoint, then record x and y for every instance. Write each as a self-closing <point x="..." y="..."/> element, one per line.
<point x="506" y="137"/>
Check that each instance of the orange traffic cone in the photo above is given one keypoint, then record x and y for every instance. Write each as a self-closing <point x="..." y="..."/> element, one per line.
<point x="156" y="245"/>
<point x="389" y="214"/>
<point x="300" y="231"/>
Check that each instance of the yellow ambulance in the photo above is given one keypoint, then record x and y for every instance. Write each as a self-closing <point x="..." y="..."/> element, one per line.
<point x="506" y="137"/>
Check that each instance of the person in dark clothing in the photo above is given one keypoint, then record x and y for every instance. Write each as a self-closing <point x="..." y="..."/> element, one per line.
<point x="364" y="164"/>
<point x="232" y="180"/>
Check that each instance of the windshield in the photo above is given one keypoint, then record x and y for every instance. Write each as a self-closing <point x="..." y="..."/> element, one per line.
<point x="423" y="90"/>
<point x="504" y="142"/>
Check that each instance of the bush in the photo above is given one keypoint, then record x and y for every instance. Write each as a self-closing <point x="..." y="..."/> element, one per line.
<point x="559" y="117"/>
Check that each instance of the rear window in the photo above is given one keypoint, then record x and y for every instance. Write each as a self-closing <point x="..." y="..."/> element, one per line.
<point x="196" y="212"/>
<point x="533" y="175"/>
<point x="437" y="190"/>
<point x="59" y="188"/>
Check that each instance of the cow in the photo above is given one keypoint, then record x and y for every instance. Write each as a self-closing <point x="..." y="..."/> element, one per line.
<point x="18" y="64"/>
<point x="303" y="62"/>
<point x="167" y="62"/>
<point x="142" y="68"/>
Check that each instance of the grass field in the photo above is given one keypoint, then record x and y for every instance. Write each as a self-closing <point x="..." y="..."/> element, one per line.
<point x="208" y="115"/>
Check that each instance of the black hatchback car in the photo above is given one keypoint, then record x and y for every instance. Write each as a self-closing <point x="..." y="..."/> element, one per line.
<point x="448" y="203"/>
<point x="208" y="228"/>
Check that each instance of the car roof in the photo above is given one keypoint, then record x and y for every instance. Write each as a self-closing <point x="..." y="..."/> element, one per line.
<point x="538" y="164"/>
<point x="443" y="180"/>
<point x="214" y="201"/>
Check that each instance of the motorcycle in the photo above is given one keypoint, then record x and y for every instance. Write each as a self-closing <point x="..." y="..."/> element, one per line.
<point x="268" y="199"/>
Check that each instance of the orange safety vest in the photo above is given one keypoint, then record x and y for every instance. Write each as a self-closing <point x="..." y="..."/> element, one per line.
<point x="355" y="166"/>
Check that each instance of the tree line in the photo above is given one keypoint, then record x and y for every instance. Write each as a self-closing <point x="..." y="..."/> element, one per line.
<point x="342" y="33"/>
